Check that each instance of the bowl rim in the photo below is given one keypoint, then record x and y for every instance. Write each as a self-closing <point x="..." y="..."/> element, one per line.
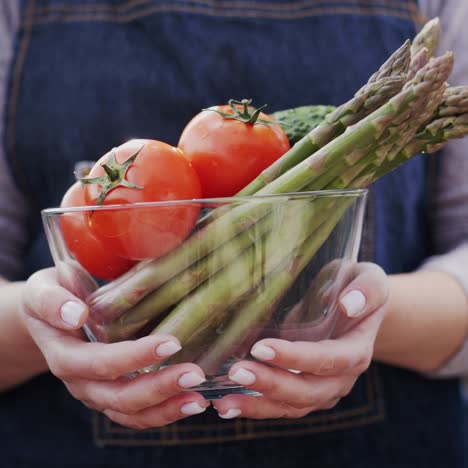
<point x="288" y="196"/>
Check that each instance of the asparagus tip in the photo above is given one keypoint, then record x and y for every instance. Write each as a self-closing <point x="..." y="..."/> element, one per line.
<point x="429" y="37"/>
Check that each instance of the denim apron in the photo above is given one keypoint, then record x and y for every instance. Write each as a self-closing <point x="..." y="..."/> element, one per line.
<point x="89" y="74"/>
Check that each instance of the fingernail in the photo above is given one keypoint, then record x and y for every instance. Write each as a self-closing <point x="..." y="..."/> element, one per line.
<point x="168" y="348"/>
<point x="230" y="414"/>
<point x="353" y="303"/>
<point x="263" y="352"/>
<point x="192" y="408"/>
<point x="243" y="377"/>
<point x="190" y="379"/>
<point x="71" y="313"/>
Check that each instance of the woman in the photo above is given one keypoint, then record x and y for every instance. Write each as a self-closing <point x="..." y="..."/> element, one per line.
<point x="85" y="75"/>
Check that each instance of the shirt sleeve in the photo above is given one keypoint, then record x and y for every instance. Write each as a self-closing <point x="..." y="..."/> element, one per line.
<point x="449" y="199"/>
<point x="13" y="205"/>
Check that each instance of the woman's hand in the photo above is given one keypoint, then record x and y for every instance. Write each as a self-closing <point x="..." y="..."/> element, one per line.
<point x="94" y="372"/>
<point x="327" y="369"/>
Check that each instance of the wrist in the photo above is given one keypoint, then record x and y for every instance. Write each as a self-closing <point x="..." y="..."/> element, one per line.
<point x="425" y="323"/>
<point x="385" y="340"/>
<point x="20" y="358"/>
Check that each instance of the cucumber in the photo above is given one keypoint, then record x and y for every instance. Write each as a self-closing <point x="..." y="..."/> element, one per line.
<point x="299" y="121"/>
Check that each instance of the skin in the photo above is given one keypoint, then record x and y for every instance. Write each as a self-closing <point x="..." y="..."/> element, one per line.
<point x="427" y="311"/>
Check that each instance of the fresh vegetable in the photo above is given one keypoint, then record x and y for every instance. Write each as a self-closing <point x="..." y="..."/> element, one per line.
<point x="384" y="84"/>
<point x="142" y="171"/>
<point x="232" y="273"/>
<point x="428" y="38"/>
<point x="228" y="146"/>
<point x="361" y="140"/>
<point x="299" y="121"/>
<point x="257" y="309"/>
<point x="87" y="249"/>
<point x="314" y="173"/>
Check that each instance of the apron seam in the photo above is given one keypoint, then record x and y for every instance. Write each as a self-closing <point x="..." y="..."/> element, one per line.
<point x="234" y="13"/>
<point x="355" y="417"/>
<point x="408" y="4"/>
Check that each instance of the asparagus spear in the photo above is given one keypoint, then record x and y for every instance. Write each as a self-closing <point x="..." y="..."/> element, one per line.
<point x="417" y="62"/>
<point x="382" y="85"/>
<point x="455" y="102"/>
<point x="207" y="304"/>
<point x="355" y="143"/>
<point x="350" y="146"/>
<point x="450" y="102"/>
<point x="187" y="319"/>
<point x="259" y="306"/>
<point x="365" y="101"/>
<point x="430" y="137"/>
<point x="372" y="97"/>
<point x="424" y="46"/>
<point x="396" y="65"/>
<point x="428" y="37"/>
<point x="119" y="327"/>
<point x="369" y="98"/>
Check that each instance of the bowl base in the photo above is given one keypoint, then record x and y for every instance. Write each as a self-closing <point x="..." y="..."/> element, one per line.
<point x="216" y="388"/>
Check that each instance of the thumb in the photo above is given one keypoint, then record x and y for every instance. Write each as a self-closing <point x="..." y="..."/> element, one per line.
<point x="366" y="293"/>
<point x="46" y="300"/>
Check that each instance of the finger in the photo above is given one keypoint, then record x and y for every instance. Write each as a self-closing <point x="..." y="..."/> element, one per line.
<point x="327" y="357"/>
<point x="261" y="407"/>
<point x="340" y="274"/>
<point x="298" y="390"/>
<point x="46" y="300"/>
<point x="132" y="396"/>
<point x="71" y="358"/>
<point x="173" y="409"/>
<point x="73" y="277"/>
<point x="366" y="293"/>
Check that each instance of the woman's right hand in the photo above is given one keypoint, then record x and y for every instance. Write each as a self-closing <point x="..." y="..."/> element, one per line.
<point x="94" y="373"/>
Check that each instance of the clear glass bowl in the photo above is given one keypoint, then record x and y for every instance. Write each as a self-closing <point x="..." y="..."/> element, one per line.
<point x="252" y="268"/>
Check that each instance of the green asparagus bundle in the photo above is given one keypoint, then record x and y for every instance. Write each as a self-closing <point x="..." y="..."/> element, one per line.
<point x="235" y="269"/>
<point x="384" y="84"/>
<point x="253" y="313"/>
<point x="362" y="138"/>
<point x="387" y="82"/>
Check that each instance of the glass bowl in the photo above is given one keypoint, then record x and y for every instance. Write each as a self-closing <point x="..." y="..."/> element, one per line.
<point x="250" y="268"/>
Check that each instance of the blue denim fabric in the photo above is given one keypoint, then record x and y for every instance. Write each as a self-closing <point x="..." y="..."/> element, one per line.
<point x="91" y="74"/>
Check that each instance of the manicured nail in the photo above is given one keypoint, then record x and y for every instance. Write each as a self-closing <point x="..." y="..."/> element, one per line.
<point x="230" y="414"/>
<point x="263" y="352"/>
<point x="190" y="379"/>
<point x="353" y="303"/>
<point x="192" y="408"/>
<point x="168" y="348"/>
<point x="243" y="377"/>
<point x="72" y="312"/>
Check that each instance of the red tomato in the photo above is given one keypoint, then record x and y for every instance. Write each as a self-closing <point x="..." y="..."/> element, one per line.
<point x="89" y="251"/>
<point x="161" y="173"/>
<point x="228" y="154"/>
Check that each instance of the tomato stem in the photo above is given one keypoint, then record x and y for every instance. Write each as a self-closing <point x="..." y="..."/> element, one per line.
<point x="243" y="112"/>
<point x="114" y="175"/>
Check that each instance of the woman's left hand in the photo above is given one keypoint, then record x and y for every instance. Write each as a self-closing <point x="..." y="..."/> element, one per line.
<point x="327" y="369"/>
